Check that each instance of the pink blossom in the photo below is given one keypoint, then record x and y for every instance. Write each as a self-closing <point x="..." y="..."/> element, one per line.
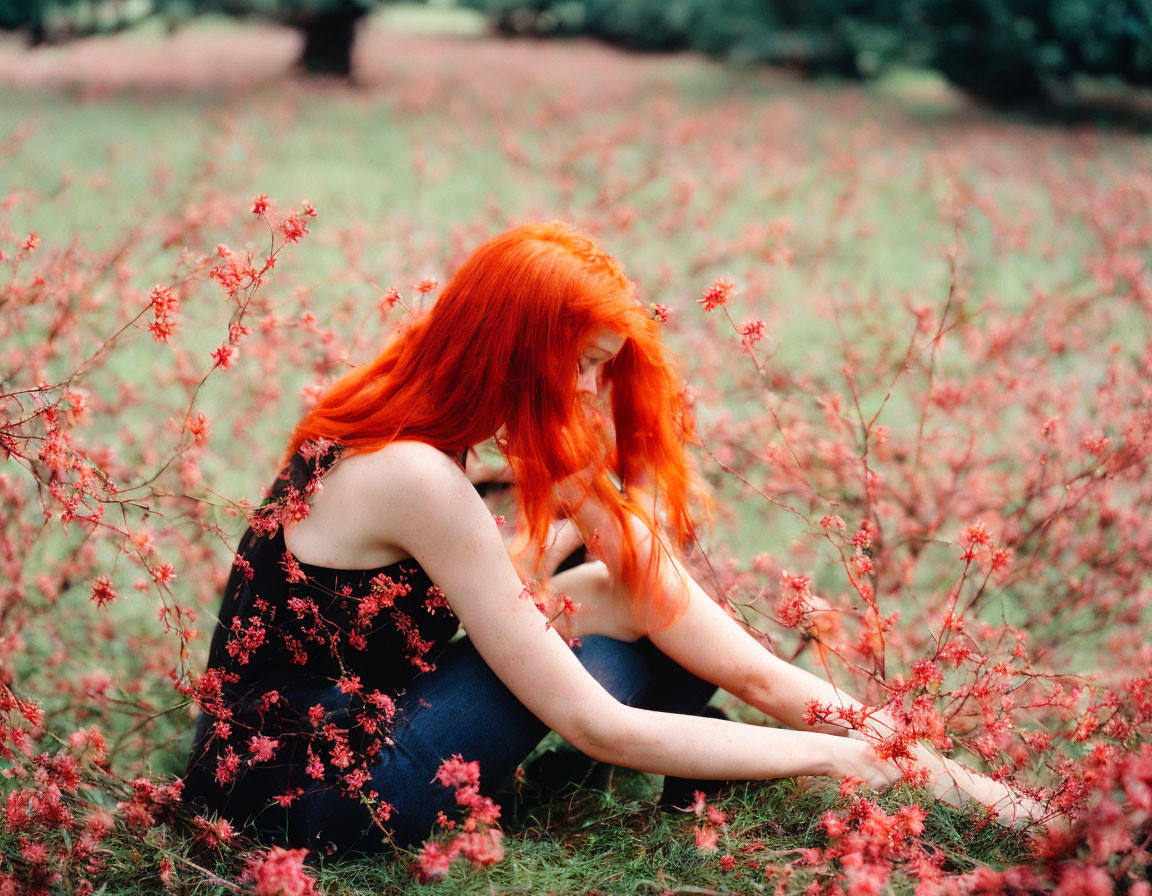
<point x="706" y="838"/>
<point x="280" y="872"/>
<point x="433" y="862"/>
<point x="102" y="591"/>
<point x="294" y="227"/>
<point x="751" y="332"/>
<point x="717" y="294"/>
<point x="262" y="748"/>
<point x="455" y="772"/>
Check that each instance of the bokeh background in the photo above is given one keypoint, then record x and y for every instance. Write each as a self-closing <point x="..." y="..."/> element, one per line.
<point x="934" y="219"/>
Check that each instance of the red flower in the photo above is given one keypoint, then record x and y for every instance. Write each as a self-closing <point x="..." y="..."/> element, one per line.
<point x="225" y="356"/>
<point x="389" y="300"/>
<point x="263" y="748"/>
<point x="260" y="204"/>
<point x="705" y="838"/>
<point x="163" y="302"/>
<point x="198" y="426"/>
<point x="716" y="294"/>
<point x="163" y="305"/>
<point x="795" y="599"/>
<point x="425" y="286"/>
<point x="292" y="568"/>
<point x="280" y="872"/>
<point x="717" y="817"/>
<point x="455" y="772"/>
<point x="31" y="242"/>
<point x="214" y="833"/>
<point x="294" y="227"/>
<point x="161" y="330"/>
<point x="833" y="824"/>
<point x="356" y="779"/>
<point x="863" y="536"/>
<point x="974" y="536"/>
<point x="227" y="766"/>
<point x="829" y="521"/>
<point x="432" y="863"/>
<point x="751" y="333"/>
<point x="349" y="684"/>
<point x="102" y="591"/>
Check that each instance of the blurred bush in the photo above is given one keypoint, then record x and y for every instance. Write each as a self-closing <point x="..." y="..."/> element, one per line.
<point x="1013" y="51"/>
<point x="843" y="36"/>
<point x="1007" y="52"/>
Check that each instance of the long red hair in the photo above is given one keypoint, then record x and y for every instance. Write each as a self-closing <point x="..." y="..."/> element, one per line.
<point x="499" y="350"/>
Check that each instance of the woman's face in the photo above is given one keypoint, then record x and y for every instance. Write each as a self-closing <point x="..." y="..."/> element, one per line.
<point x="601" y="347"/>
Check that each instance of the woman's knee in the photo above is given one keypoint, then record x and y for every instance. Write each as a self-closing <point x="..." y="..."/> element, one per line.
<point x="602" y="608"/>
<point x="638" y="674"/>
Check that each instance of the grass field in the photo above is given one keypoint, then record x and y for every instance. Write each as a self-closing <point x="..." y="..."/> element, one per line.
<point x="1012" y="254"/>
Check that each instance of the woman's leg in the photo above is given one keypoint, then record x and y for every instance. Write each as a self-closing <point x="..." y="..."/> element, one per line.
<point x="462" y="707"/>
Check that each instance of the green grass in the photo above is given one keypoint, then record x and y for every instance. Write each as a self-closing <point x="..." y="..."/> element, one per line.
<point x="442" y="136"/>
<point x="613" y="839"/>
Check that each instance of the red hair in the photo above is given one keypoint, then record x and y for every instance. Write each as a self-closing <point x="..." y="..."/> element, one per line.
<point x="499" y="350"/>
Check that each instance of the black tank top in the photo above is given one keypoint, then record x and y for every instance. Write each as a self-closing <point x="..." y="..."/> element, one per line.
<point x="305" y="661"/>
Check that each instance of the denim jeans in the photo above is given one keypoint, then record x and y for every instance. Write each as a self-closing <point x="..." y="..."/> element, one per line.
<point x="462" y="707"/>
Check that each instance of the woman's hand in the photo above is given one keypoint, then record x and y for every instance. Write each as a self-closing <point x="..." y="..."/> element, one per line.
<point x="858" y="759"/>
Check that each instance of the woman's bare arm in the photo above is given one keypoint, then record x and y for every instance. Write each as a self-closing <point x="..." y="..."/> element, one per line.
<point x="708" y="642"/>
<point x="436" y="516"/>
<point x="712" y="645"/>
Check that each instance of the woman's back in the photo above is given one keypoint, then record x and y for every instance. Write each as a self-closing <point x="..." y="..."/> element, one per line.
<point x="350" y="515"/>
<point x="306" y="661"/>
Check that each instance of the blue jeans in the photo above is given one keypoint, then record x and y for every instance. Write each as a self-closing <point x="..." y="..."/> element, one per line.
<point x="462" y="707"/>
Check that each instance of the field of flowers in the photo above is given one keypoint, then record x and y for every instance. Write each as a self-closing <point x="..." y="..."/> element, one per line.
<point x="918" y="339"/>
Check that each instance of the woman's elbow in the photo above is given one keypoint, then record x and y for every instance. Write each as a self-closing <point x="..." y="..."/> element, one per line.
<point x="600" y="733"/>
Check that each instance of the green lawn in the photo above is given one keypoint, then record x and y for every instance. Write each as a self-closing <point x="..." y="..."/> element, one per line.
<point x="834" y="207"/>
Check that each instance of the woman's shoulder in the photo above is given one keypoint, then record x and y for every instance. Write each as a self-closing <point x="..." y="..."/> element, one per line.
<point x="369" y="503"/>
<point x="417" y="496"/>
<point x="399" y="469"/>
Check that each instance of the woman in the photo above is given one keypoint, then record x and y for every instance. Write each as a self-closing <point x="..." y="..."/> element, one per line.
<point x="333" y="693"/>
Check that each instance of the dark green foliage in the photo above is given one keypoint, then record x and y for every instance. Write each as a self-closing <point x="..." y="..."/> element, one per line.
<point x="1013" y="51"/>
<point x="843" y="36"/>
<point x="45" y="20"/>
<point x="24" y="15"/>
<point x="1004" y="51"/>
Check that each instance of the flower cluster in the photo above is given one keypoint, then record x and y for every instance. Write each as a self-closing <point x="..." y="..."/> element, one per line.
<point x="711" y="822"/>
<point x="280" y="872"/>
<point x="478" y="838"/>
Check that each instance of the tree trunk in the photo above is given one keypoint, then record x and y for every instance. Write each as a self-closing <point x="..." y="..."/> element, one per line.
<point x="328" y="40"/>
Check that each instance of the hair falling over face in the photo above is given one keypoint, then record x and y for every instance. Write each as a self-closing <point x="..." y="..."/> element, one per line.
<point x="500" y="350"/>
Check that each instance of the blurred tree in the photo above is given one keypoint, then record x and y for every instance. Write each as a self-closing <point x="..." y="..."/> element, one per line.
<point x="1003" y="51"/>
<point x="23" y="15"/>
<point x="328" y="27"/>
<point x="1015" y="52"/>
